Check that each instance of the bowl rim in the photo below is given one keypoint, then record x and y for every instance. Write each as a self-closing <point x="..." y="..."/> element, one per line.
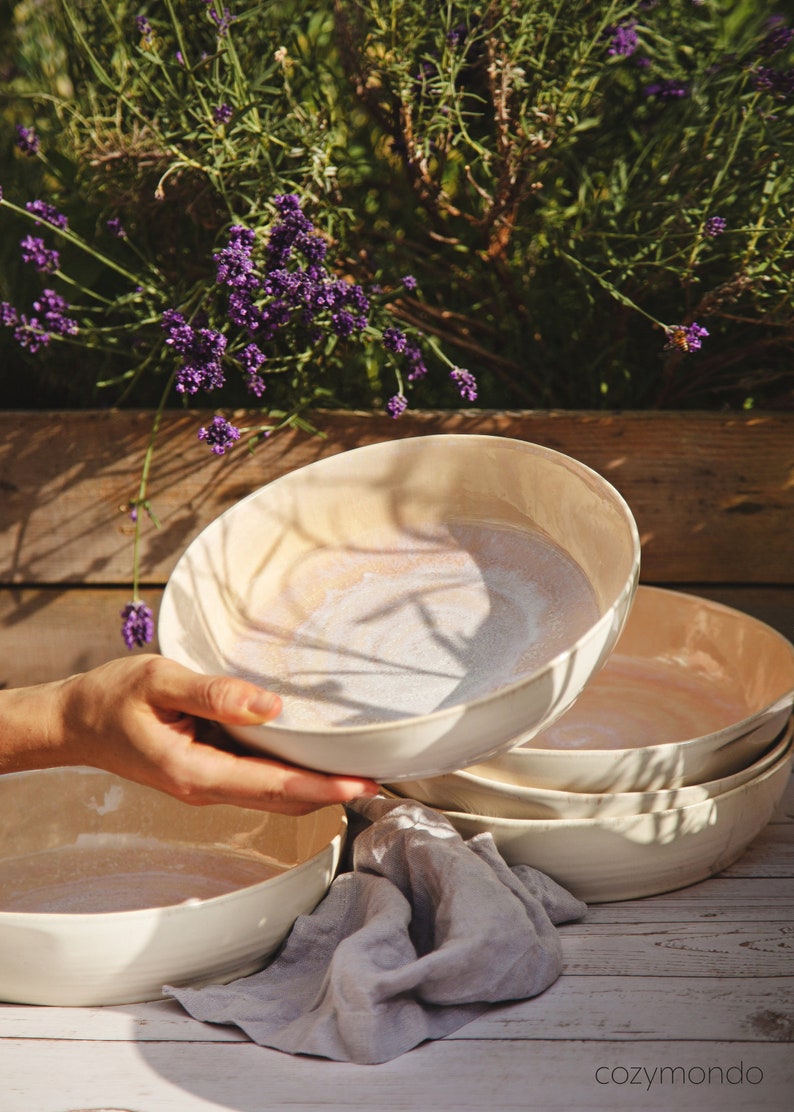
<point x="366" y="730"/>
<point x="625" y="821"/>
<point x="779" y="745"/>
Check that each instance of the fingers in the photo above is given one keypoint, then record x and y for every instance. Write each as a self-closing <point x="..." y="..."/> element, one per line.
<point x="220" y="698"/>
<point x="206" y="775"/>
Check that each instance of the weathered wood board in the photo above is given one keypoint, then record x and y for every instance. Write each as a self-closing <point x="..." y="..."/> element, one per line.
<point x="713" y="494"/>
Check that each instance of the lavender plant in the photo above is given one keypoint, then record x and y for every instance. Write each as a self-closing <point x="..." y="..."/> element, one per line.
<point x="289" y="206"/>
<point x="611" y="183"/>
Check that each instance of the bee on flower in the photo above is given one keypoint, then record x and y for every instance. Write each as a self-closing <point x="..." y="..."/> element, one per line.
<point x="685" y="337"/>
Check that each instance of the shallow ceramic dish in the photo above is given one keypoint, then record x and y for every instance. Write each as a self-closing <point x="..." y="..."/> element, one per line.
<point x="418" y="604"/>
<point x="694" y="691"/>
<point x="627" y="857"/>
<point x="109" y="891"/>
<point x="466" y="791"/>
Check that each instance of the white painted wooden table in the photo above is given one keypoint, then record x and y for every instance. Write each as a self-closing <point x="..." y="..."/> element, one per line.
<point x="682" y="1001"/>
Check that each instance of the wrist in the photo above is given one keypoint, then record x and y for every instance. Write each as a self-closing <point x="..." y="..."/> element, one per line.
<point x="33" y="732"/>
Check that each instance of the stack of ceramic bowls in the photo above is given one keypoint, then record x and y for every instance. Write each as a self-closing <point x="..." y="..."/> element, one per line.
<point x="417" y="604"/>
<point x="672" y="760"/>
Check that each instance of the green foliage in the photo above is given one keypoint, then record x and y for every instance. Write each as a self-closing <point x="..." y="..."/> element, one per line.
<point x="549" y="196"/>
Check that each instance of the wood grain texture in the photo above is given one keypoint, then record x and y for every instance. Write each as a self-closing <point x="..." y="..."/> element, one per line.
<point x="713" y="494"/>
<point x="47" y="632"/>
<point x="508" y="1075"/>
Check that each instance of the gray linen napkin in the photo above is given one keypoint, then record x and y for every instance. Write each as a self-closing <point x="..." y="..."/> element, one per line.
<point x="423" y="933"/>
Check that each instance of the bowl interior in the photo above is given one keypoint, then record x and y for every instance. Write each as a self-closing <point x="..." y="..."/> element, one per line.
<point x="682" y="668"/>
<point x="87" y="842"/>
<point x="402" y="579"/>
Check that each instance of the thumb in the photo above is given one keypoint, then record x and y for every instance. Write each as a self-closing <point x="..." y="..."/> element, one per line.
<point x="222" y="698"/>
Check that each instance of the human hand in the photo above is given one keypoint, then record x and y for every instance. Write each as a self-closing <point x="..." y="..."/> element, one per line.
<point x="148" y="719"/>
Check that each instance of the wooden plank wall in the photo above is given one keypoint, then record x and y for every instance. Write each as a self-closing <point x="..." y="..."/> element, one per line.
<point x="713" y="496"/>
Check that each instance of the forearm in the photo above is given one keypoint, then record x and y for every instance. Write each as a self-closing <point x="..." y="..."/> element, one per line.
<point x="144" y="717"/>
<point x="32" y="731"/>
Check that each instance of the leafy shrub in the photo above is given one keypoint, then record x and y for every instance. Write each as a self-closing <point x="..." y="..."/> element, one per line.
<point x="291" y="205"/>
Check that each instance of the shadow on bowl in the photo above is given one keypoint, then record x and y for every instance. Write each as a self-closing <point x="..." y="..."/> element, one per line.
<point x="418" y="604"/>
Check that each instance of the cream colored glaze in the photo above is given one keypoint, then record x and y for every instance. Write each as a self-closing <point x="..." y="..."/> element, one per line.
<point x="123" y="873"/>
<point x="112" y="890"/>
<point x="245" y="571"/>
<point x="683" y="668"/>
<point x="406" y="623"/>
<point x="633" y="703"/>
<point x="631" y="856"/>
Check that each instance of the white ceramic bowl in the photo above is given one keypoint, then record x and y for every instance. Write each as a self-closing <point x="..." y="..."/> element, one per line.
<point x="627" y="857"/>
<point x="109" y="891"/>
<point x="467" y="791"/>
<point x="419" y="604"/>
<point x="694" y="691"/>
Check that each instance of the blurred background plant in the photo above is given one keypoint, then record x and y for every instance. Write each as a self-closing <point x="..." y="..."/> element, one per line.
<point x="299" y="205"/>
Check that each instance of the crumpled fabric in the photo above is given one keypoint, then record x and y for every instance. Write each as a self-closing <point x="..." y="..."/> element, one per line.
<point x="421" y="934"/>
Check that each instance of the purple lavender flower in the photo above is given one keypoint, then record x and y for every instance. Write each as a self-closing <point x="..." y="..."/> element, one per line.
<point x="137" y="627"/>
<point x="777" y="37"/>
<point x="409" y="282"/>
<point x="222" y="113"/>
<point x="685" y="338"/>
<point x="202" y="351"/>
<point x="47" y="260"/>
<point x="221" y="21"/>
<point x="778" y="82"/>
<point x="343" y="323"/>
<point x="416" y="362"/>
<point x="116" y="228"/>
<point x="256" y="385"/>
<point x="287" y="202"/>
<point x="220" y="435"/>
<point x="242" y="311"/>
<point x="27" y="140"/>
<point x="47" y="212"/>
<point x="465" y="382"/>
<point x="35" y="332"/>
<point x="624" y="39"/>
<point x="715" y="226"/>
<point x="426" y="72"/>
<point x="234" y="265"/>
<point x="294" y="232"/>
<point x="394" y="339"/>
<point x="29" y="335"/>
<point x="456" y="34"/>
<point x="144" y="29"/>
<point x="396" y="406"/>
<point x="51" y="309"/>
<point x="251" y="359"/>
<point x="666" y="89"/>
